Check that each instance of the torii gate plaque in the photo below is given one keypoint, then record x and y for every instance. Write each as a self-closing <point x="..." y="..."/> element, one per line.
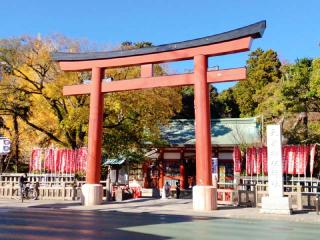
<point x="199" y="50"/>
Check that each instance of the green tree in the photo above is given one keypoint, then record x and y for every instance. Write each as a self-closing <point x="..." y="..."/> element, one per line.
<point x="263" y="68"/>
<point x="300" y="96"/>
<point x="226" y="104"/>
<point x="187" y="111"/>
<point x="315" y="78"/>
<point x="36" y="113"/>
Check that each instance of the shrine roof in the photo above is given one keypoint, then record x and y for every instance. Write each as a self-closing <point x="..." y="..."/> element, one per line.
<point x="114" y="161"/>
<point x="255" y="30"/>
<point x="224" y="132"/>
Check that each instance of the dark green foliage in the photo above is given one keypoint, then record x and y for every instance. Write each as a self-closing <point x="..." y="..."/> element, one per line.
<point x="226" y="105"/>
<point x="263" y="68"/>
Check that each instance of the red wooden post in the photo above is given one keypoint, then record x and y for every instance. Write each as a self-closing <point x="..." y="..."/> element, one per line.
<point x="95" y="127"/>
<point x="202" y="122"/>
<point x="161" y="172"/>
<point x="182" y="171"/>
<point x="146" y="70"/>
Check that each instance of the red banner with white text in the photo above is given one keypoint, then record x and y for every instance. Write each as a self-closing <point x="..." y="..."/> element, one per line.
<point x="55" y="160"/>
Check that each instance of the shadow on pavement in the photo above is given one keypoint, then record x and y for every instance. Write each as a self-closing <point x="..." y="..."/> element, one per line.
<point x="137" y="200"/>
<point x="31" y="223"/>
<point x="56" y="205"/>
<point x="114" y="205"/>
<point x="61" y="205"/>
<point x="304" y="211"/>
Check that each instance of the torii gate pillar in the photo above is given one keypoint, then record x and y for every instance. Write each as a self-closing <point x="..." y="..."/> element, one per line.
<point x="204" y="194"/>
<point x="92" y="191"/>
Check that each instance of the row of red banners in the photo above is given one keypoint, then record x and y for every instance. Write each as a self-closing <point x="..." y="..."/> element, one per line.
<point x="54" y="160"/>
<point x="294" y="159"/>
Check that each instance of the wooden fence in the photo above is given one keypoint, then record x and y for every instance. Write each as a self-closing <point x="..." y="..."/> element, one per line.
<point x="49" y="191"/>
<point x="61" y="188"/>
<point x="301" y="197"/>
<point x="66" y="188"/>
<point x="227" y="194"/>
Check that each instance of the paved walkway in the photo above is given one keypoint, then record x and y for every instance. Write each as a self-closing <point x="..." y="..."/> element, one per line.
<point x="147" y="219"/>
<point x="167" y="206"/>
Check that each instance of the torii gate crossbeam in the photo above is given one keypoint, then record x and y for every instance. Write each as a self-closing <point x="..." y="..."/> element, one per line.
<point x="238" y="40"/>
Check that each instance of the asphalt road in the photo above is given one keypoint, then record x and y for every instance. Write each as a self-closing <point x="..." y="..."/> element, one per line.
<point x="55" y="223"/>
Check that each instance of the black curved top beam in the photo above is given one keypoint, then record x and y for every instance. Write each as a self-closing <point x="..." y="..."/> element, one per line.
<point x="255" y="30"/>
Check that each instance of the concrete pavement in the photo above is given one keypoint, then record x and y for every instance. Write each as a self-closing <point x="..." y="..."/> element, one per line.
<point x="154" y="219"/>
<point x="163" y="206"/>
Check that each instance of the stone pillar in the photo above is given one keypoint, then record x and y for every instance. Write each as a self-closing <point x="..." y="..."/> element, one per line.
<point x="275" y="202"/>
<point x="204" y="195"/>
<point x="92" y="191"/>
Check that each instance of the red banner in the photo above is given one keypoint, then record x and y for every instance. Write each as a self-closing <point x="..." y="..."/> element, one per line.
<point x="264" y="160"/>
<point x="254" y="160"/>
<point x="35" y="160"/>
<point x="236" y="159"/>
<point x="249" y="161"/>
<point x="292" y="152"/>
<point x="259" y="160"/>
<point x="313" y="149"/>
<point x="306" y="154"/>
<point x="55" y="160"/>
<point x="299" y="160"/>
<point x="294" y="159"/>
<point x="49" y="160"/>
<point x="285" y="155"/>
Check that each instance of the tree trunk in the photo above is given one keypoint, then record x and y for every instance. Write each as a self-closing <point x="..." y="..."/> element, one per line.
<point x="304" y="120"/>
<point x="1" y="164"/>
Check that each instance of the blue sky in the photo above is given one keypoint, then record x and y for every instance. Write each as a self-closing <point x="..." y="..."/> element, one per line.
<point x="293" y="27"/>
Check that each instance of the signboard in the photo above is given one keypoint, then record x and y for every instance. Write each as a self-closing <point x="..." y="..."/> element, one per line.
<point x="5" y="146"/>
<point x="275" y="177"/>
<point x="222" y="174"/>
<point x="214" y="169"/>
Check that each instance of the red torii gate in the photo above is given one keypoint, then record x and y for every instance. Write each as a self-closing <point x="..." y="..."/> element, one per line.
<point x="234" y="41"/>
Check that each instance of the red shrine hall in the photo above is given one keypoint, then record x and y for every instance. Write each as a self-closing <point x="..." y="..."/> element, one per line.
<point x="176" y="160"/>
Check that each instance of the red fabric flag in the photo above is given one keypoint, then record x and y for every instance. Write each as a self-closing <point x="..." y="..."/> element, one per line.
<point x="264" y="160"/>
<point x="63" y="160"/>
<point x="68" y="160"/>
<point x="312" y="155"/>
<point x="59" y="160"/>
<point x="58" y="156"/>
<point x="285" y="151"/>
<point x="49" y="155"/>
<point x="80" y="160"/>
<point x="249" y="161"/>
<point x="36" y="159"/>
<point x="292" y="152"/>
<point x="254" y="160"/>
<point x="76" y="159"/>
<point x="237" y="159"/>
<point x="306" y="152"/>
<point x="85" y="159"/>
<point x="299" y="160"/>
<point x="32" y="159"/>
<point x="259" y="160"/>
<point x="72" y="161"/>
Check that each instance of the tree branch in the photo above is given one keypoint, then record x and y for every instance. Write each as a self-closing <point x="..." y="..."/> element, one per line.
<point x="49" y="134"/>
